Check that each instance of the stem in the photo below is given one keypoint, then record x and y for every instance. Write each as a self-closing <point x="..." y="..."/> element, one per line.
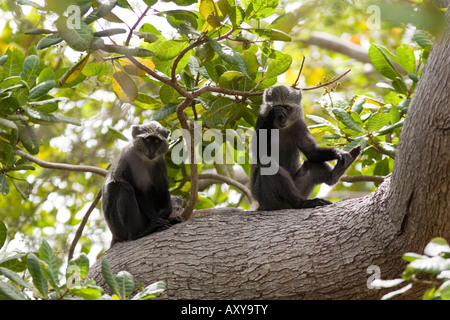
<point x="127" y="42"/>
<point x="83" y="224"/>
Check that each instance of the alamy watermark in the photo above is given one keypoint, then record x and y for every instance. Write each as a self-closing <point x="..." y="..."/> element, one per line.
<point x="235" y="146"/>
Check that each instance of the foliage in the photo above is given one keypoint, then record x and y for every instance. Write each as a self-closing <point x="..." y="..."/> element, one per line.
<point x="74" y="79"/>
<point x="41" y="278"/>
<point x="431" y="269"/>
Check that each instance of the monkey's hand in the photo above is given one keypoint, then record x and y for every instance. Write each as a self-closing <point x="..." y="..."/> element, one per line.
<point x="349" y="157"/>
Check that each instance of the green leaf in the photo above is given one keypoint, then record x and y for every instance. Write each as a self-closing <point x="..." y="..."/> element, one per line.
<point x="101" y="11"/>
<point x="4" y="186"/>
<point x="11" y="275"/>
<point x="29" y="139"/>
<point x="232" y="80"/>
<point x="273" y="34"/>
<point x="220" y="110"/>
<point x="87" y="292"/>
<point x="38" y="31"/>
<point x="125" y="285"/>
<point x="358" y="105"/>
<point x="423" y="38"/>
<point x="9" y="105"/>
<point x="165" y="111"/>
<point x="436" y="247"/>
<point x="13" y="64"/>
<point x="178" y="18"/>
<point x="79" y="39"/>
<point x="49" y="41"/>
<point x="400" y="86"/>
<point x="3" y="59"/>
<point x="151" y="291"/>
<point x="388" y="129"/>
<point x="444" y="290"/>
<point x="30" y="69"/>
<point x="168" y="94"/>
<point x="382" y="63"/>
<point x="41" y="89"/>
<point x="9" y="292"/>
<point x="46" y="74"/>
<point x="389" y="148"/>
<point x="410" y="256"/>
<point x="147" y="36"/>
<point x="237" y="15"/>
<point x="396" y="292"/>
<point x="109" y="277"/>
<point x="432" y="265"/>
<point x="259" y="9"/>
<point x="16" y="263"/>
<point x="51" y="271"/>
<point x="38" y="278"/>
<point x="117" y="134"/>
<point x="284" y="22"/>
<point x="39" y="117"/>
<point x="3" y="233"/>
<point x="278" y="66"/>
<point x="406" y="58"/>
<point x="167" y="50"/>
<point x="377" y="121"/>
<point x="93" y="69"/>
<point x="109" y="32"/>
<point x="81" y="264"/>
<point x="230" y="56"/>
<point x="129" y="51"/>
<point x="346" y="119"/>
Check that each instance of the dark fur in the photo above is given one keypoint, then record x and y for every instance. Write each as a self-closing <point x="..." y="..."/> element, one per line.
<point x="136" y="198"/>
<point x="292" y="184"/>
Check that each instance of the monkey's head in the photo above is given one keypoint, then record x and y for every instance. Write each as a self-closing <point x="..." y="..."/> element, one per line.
<point x="284" y="104"/>
<point x="150" y="139"/>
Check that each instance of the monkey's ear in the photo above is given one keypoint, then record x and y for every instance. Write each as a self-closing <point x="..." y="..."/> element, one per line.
<point x="135" y="130"/>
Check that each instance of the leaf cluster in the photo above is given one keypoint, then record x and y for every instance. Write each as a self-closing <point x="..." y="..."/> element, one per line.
<point x="431" y="269"/>
<point x="37" y="276"/>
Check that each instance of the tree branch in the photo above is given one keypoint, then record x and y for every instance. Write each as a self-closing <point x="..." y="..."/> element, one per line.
<point x="362" y="178"/>
<point x="229" y="181"/>
<point x="83" y="224"/>
<point x="61" y="166"/>
<point x="127" y="42"/>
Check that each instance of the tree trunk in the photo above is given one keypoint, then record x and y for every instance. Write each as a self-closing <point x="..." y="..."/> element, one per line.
<point x="321" y="253"/>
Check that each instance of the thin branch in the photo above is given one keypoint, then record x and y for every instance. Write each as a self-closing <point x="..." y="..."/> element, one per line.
<point x="189" y="208"/>
<point x="327" y="83"/>
<point x="61" y="166"/>
<point x="127" y="42"/>
<point x="229" y="181"/>
<point x="299" y="73"/>
<point x="362" y="178"/>
<point x="83" y="223"/>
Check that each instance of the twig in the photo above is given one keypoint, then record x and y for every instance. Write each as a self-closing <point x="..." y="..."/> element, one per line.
<point x="83" y="223"/>
<point x="61" y="166"/>
<point x="362" y="178"/>
<point x="299" y="73"/>
<point x="127" y="42"/>
<point x="229" y="181"/>
<point x="327" y="83"/>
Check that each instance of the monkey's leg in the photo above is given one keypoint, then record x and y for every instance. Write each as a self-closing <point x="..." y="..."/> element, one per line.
<point x="276" y="191"/>
<point x="307" y="177"/>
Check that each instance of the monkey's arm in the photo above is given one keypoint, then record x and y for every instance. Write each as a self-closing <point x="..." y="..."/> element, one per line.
<point x="309" y="147"/>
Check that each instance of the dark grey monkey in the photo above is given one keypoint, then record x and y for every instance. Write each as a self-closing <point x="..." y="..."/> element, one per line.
<point x="292" y="183"/>
<point x="136" y="198"/>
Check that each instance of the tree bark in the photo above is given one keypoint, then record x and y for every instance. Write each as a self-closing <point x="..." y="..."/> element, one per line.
<point x="321" y="253"/>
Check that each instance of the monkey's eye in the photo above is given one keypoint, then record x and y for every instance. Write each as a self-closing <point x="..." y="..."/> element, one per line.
<point x="156" y="140"/>
<point x="148" y="139"/>
<point x="288" y="108"/>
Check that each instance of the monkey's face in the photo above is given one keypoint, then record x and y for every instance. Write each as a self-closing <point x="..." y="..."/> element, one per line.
<point x="153" y="146"/>
<point x="151" y="139"/>
<point x="284" y="116"/>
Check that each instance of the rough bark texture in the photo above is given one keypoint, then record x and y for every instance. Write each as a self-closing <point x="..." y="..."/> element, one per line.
<point x="320" y="253"/>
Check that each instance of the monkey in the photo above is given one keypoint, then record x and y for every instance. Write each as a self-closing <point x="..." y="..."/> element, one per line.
<point x="290" y="183"/>
<point x="136" y="198"/>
